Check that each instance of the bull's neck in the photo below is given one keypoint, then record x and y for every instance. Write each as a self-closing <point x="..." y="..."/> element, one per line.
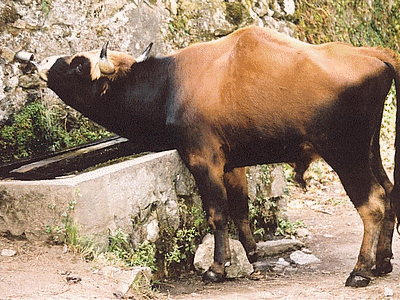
<point x="136" y="104"/>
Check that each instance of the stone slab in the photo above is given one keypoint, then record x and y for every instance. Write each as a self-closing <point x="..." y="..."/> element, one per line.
<point x="273" y="248"/>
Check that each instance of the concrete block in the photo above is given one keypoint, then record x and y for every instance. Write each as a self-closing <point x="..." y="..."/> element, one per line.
<point x="139" y="196"/>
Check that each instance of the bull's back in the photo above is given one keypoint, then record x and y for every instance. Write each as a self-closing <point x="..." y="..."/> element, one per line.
<point x="258" y="70"/>
<point x="258" y="86"/>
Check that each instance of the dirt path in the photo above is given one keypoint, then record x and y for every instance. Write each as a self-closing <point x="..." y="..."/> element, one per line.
<point x="40" y="272"/>
<point x="335" y="237"/>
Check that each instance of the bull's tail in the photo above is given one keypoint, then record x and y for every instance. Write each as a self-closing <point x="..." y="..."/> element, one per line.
<point x="395" y="194"/>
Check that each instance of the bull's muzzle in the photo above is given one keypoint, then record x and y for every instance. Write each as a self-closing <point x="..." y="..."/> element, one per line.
<point x="46" y="65"/>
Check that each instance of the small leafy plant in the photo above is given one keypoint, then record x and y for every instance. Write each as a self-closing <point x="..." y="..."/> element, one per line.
<point x="120" y="246"/>
<point x="288" y="228"/>
<point x="38" y="129"/>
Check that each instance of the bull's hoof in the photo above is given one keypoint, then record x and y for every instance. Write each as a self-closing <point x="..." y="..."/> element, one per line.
<point x="357" y="280"/>
<point x="211" y="276"/>
<point x="383" y="268"/>
<point x="252" y="256"/>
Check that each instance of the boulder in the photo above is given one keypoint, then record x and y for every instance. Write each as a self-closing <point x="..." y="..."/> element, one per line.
<point x="239" y="267"/>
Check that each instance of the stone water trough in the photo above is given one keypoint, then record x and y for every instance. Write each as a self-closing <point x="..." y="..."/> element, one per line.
<point x="145" y="190"/>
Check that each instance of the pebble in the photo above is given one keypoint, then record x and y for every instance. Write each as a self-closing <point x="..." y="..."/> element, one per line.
<point x="282" y="262"/>
<point x="290" y="270"/>
<point x="8" y="252"/>
<point x="7" y="54"/>
<point x="301" y="258"/>
<point x="302" y="233"/>
<point x="73" y="279"/>
<point x="388" y="292"/>
<point x="306" y="251"/>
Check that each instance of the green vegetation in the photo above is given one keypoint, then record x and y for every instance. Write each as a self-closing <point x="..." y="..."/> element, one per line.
<point x="37" y="129"/>
<point x="362" y="22"/>
<point x="288" y="228"/>
<point x="120" y="247"/>
<point x="263" y="214"/>
<point x="45" y="6"/>
<point x="176" y="248"/>
<point x="236" y="13"/>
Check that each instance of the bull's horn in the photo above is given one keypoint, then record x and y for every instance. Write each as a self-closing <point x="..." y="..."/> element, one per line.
<point x="106" y="67"/>
<point x="145" y="54"/>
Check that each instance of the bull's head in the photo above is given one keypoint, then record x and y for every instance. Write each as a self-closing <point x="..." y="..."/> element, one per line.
<point x="82" y="79"/>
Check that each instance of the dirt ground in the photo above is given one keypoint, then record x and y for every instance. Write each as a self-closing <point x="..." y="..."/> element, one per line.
<point x="40" y="271"/>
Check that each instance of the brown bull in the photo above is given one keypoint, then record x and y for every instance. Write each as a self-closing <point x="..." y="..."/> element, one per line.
<point x="255" y="96"/>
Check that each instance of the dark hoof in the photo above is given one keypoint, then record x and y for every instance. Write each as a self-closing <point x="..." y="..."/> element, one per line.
<point x="383" y="268"/>
<point x="357" y="280"/>
<point x="211" y="276"/>
<point x="253" y="256"/>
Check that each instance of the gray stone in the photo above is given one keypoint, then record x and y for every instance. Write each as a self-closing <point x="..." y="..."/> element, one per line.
<point x="278" y="269"/>
<point x="289" y="7"/>
<point x="7" y="54"/>
<point x="278" y="181"/>
<point x="282" y="262"/>
<point x="239" y="266"/>
<point x="302" y="233"/>
<point x="273" y="248"/>
<point x="263" y="265"/>
<point x="306" y="251"/>
<point x="129" y="280"/>
<point x="152" y="231"/>
<point x="301" y="258"/>
<point x="272" y="189"/>
<point x="388" y="292"/>
<point x="280" y="26"/>
<point x="290" y="270"/>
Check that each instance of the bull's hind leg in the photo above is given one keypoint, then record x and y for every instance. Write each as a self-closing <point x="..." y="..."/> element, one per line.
<point x="384" y="251"/>
<point x="236" y="188"/>
<point x="369" y="198"/>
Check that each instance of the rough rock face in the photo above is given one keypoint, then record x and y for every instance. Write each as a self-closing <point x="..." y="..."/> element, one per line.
<point x="47" y="28"/>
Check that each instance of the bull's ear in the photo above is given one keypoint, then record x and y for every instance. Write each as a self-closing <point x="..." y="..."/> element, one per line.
<point x="101" y="86"/>
<point x="145" y="54"/>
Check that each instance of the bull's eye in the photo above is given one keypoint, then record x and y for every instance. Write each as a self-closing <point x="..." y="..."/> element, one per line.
<point x="79" y="69"/>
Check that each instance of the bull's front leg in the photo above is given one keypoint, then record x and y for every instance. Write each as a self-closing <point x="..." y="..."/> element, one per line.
<point x="207" y="166"/>
<point x="222" y="254"/>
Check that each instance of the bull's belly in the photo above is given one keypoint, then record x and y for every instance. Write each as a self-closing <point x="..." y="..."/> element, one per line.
<point x="269" y="151"/>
